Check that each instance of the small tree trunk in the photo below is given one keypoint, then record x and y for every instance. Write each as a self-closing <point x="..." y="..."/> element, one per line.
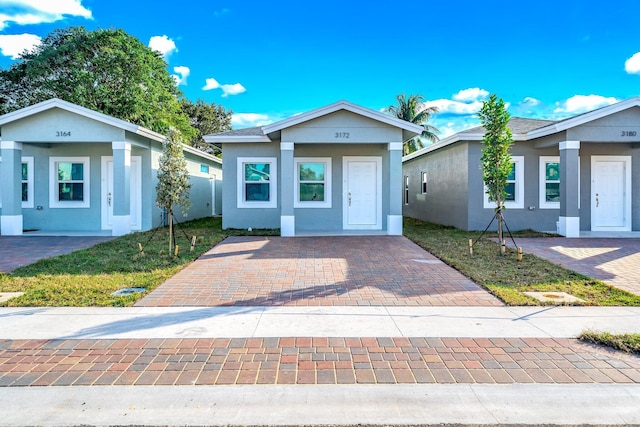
<point x="500" y="232"/>
<point x="170" y="232"/>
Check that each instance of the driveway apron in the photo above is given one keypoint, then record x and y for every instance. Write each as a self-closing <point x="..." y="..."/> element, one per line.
<point x="614" y="261"/>
<point x="18" y="251"/>
<point x="319" y="271"/>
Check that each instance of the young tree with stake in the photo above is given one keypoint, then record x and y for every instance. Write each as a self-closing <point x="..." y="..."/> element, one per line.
<point x="496" y="158"/>
<point x="173" y="179"/>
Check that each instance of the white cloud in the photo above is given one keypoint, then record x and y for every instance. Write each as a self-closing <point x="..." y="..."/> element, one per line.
<point x="181" y="75"/>
<point x="532" y="102"/>
<point x="246" y="120"/>
<point x="13" y="45"/>
<point x="455" y="107"/>
<point x="163" y="44"/>
<point x="632" y="65"/>
<point x="578" y="104"/>
<point x="27" y="12"/>
<point x="471" y="94"/>
<point x="227" y="89"/>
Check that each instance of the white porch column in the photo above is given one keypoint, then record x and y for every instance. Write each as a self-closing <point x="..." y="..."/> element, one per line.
<point x="569" y="221"/>
<point x="11" y="179"/>
<point x="121" y="198"/>
<point x="394" y="218"/>
<point x="287" y="175"/>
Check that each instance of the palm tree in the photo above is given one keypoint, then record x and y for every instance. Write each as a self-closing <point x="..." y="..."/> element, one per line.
<point x="412" y="109"/>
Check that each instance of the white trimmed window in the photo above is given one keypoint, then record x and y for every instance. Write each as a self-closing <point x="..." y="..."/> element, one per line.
<point x="549" y="182"/>
<point x="257" y="182"/>
<point x="312" y="182"/>
<point x="423" y="184"/>
<point x="27" y="182"/>
<point x="69" y="185"/>
<point x="406" y="189"/>
<point x="514" y="187"/>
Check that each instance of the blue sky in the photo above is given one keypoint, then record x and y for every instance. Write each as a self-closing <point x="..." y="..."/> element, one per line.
<point x="270" y="60"/>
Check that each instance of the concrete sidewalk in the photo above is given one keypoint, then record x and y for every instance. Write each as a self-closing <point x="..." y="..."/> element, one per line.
<point x="89" y="366"/>
<point x="423" y="405"/>
<point x="263" y="322"/>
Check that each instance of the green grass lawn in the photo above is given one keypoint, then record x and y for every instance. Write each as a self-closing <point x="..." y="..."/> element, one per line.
<point x="629" y="343"/>
<point x="88" y="277"/>
<point x="505" y="276"/>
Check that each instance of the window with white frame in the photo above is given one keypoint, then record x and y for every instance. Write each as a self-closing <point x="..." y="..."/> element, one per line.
<point x="69" y="185"/>
<point x="26" y="182"/>
<point x="406" y="189"/>
<point x="424" y="182"/>
<point x="312" y="182"/>
<point x="549" y="182"/>
<point x="257" y="182"/>
<point x="514" y="187"/>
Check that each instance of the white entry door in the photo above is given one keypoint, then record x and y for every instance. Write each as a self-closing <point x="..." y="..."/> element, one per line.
<point x="135" y="193"/>
<point x="610" y="193"/>
<point x="362" y="188"/>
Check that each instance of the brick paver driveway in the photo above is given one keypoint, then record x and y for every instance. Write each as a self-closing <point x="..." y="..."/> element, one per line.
<point x="344" y="270"/>
<point x="615" y="261"/>
<point x="17" y="251"/>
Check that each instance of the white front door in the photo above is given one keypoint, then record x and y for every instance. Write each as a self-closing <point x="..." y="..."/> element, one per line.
<point x="362" y="188"/>
<point x="610" y="193"/>
<point x="135" y="193"/>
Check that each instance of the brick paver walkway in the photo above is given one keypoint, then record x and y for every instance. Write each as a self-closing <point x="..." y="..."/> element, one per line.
<point x="615" y="261"/>
<point x="309" y="361"/>
<point x="17" y="251"/>
<point x="353" y="270"/>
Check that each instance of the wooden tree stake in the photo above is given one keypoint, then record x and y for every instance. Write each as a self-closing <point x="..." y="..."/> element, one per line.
<point x="141" y="250"/>
<point x="519" y="254"/>
<point x="503" y="247"/>
<point x="193" y="243"/>
<point x="470" y="246"/>
<point x="175" y="253"/>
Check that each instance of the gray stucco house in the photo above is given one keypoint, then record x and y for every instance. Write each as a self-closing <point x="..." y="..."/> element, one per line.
<point x="573" y="175"/>
<point x="333" y="170"/>
<point x="65" y="169"/>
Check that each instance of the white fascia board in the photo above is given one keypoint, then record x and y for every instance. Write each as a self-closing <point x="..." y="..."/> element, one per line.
<point x="452" y="140"/>
<point x="584" y="118"/>
<point x="236" y="139"/>
<point x="190" y="149"/>
<point x="342" y="105"/>
<point x="81" y="111"/>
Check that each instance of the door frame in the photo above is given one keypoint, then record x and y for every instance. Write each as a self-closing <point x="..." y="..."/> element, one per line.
<point x="626" y="191"/>
<point x="135" y="194"/>
<point x="345" y="192"/>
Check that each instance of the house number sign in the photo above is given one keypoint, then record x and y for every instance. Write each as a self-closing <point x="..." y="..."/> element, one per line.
<point x="63" y="133"/>
<point x="628" y="133"/>
<point x="342" y="135"/>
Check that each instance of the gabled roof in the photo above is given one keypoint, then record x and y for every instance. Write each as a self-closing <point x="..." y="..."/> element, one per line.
<point x="519" y="126"/>
<point x="583" y="118"/>
<point x="94" y="115"/>
<point x="528" y="129"/>
<point x="81" y="111"/>
<point x="261" y="134"/>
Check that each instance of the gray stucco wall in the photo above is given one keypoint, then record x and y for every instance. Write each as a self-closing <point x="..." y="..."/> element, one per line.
<point x="530" y="216"/>
<point x="232" y="217"/>
<point x="447" y="186"/>
<point x="47" y="218"/>
<point x="330" y="219"/>
<point x="591" y="149"/>
<point x="307" y="219"/>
